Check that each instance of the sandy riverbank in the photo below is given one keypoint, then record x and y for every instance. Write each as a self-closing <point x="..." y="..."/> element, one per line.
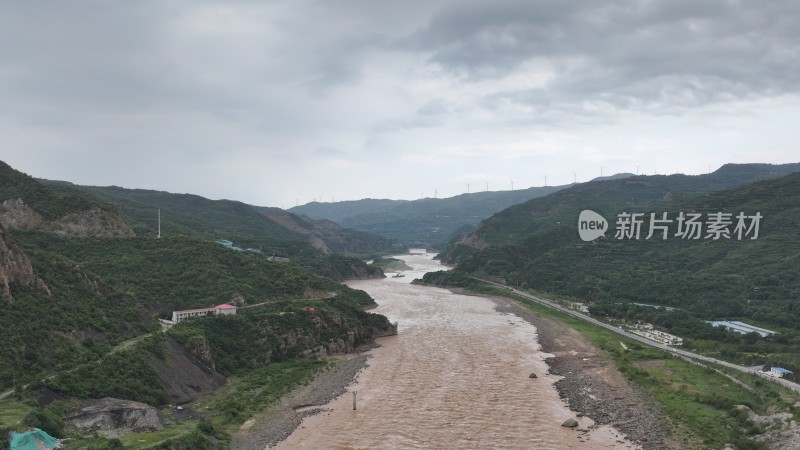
<point x="591" y="384"/>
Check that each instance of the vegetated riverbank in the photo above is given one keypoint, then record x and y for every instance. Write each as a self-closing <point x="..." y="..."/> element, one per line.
<point x="280" y="420"/>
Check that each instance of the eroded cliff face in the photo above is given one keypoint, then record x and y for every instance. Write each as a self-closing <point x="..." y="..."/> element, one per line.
<point x="110" y="414"/>
<point x="15" y="214"/>
<point x="278" y="336"/>
<point x="15" y="268"/>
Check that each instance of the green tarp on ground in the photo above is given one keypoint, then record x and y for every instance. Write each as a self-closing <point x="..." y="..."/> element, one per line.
<point x="33" y="440"/>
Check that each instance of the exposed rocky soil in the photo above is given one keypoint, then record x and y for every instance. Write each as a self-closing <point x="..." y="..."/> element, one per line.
<point x="782" y="431"/>
<point x="94" y="222"/>
<point x="184" y="377"/>
<point x="281" y="420"/>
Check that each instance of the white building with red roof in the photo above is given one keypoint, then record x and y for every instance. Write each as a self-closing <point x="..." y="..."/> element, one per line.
<point x="219" y="310"/>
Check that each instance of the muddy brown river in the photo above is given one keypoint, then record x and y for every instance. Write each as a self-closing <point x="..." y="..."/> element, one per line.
<point x="456" y="376"/>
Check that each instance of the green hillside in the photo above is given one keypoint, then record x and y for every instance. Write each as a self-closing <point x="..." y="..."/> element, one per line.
<point x="187" y="214"/>
<point x="271" y="230"/>
<point x="50" y="204"/>
<point x="72" y="316"/>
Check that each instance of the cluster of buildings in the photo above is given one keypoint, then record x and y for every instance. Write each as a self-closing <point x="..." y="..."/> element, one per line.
<point x="647" y="330"/>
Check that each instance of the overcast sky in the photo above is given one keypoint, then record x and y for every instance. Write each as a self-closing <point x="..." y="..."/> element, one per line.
<point x="275" y="103"/>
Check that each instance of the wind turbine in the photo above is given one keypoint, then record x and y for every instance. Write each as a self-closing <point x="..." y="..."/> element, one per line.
<point x="435" y="192"/>
<point x="512" y="183"/>
<point x="601" y="170"/>
<point x="467" y="188"/>
<point x="637" y="169"/>
<point x="487" y="186"/>
<point x="574" y="177"/>
<point x="545" y="180"/>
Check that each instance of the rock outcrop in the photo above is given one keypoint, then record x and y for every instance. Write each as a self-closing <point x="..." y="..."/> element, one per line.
<point x="15" y="214"/>
<point x="15" y="268"/>
<point x="94" y="222"/>
<point x="112" y="415"/>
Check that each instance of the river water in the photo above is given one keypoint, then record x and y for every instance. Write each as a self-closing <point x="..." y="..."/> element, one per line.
<point x="456" y="376"/>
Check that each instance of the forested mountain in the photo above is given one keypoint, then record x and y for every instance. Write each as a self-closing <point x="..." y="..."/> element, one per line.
<point x="427" y="222"/>
<point x="543" y="217"/>
<point x="537" y="245"/>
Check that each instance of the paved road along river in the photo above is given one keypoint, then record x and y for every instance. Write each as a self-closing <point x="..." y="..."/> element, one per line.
<point x="456" y="376"/>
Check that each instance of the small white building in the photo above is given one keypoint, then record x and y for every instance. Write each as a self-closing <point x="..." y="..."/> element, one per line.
<point x="219" y="310"/>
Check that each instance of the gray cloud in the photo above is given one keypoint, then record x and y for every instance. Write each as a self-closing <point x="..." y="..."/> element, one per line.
<point x="169" y="94"/>
<point x="674" y="54"/>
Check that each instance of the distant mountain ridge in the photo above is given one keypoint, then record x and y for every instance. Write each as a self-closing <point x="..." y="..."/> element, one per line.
<point x="427" y="222"/>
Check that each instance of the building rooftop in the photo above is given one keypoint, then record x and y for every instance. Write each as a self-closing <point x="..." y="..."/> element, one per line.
<point x="741" y="327"/>
<point x="224" y="306"/>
